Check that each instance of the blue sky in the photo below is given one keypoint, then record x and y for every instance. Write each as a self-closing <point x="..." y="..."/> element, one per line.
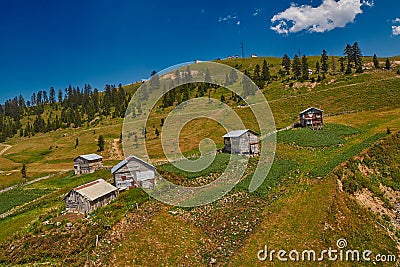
<point x="56" y="43"/>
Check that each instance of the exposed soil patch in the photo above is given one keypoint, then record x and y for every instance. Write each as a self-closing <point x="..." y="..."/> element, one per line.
<point x="69" y="216"/>
<point x="115" y="152"/>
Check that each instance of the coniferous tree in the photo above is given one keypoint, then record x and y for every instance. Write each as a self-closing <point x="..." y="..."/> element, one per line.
<point x="45" y="98"/>
<point x="186" y="94"/>
<point x="348" y="69"/>
<point x="23" y="171"/>
<point x="222" y="98"/>
<point x="77" y="119"/>
<point x="348" y="52"/>
<point x="265" y="73"/>
<point x="296" y="67"/>
<point x="49" y="126"/>
<point x="39" y="99"/>
<point x="90" y="111"/>
<point x="33" y="99"/>
<point x="39" y="124"/>
<point x="52" y="96"/>
<point x="353" y="55"/>
<point x="317" y="67"/>
<point x="60" y="96"/>
<point x="375" y="61"/>
<point x="304" y="67"/>
<point x="95" y="100"/>
<point x="387" y="64"/>
<point x="100" y="143"/>
<point x="286" y="63"/>
<point x="257" y="77"/>
<point x="357" y="57"/>
<point x="333" y="64"/>
<point x="324" y="61"/>
<point x="107" y="101"/>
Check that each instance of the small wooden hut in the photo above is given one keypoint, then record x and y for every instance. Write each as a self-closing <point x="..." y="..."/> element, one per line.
<point x="87" y="163"/>
<point x="134" y="172"/>
<point x="88" y="197"/>
<point x="241" y="142"/>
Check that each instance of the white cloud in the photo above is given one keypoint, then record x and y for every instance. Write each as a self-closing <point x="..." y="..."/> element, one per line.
<point x="396" y="27"/>
<point x="396" y="30"/>
<point x="230" y="19"/>
<point x="227" y="18"/>
<point x="326" y="17"/>
<point x="368" y="3"/>
<point x="256" y="12"/>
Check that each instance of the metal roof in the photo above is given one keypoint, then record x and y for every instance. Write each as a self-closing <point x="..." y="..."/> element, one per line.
<point x="122" y="163"/>
<point x="237" y="133"/>
<point x="90" y="157"/>
<point x="304" y="111"/>
<point x="95" y="189"/>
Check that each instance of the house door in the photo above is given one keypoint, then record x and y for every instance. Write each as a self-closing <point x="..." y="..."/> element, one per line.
<point x="77" y="169"/>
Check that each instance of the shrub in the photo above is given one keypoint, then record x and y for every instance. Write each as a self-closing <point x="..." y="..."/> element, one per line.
<point x="350" y="185"/>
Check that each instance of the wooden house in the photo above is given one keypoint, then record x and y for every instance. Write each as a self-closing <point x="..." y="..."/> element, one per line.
<point x="88" y="197"/>
<point x="241" y="142"/>
<point x="134" y="172"/>
<point x="311" y="117"/>
<point x="87" y="163"/>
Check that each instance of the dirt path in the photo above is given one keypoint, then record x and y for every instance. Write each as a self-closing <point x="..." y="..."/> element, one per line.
<point x="115" y="152"/>
<point x="7" y="147"/>
<point x="31" y="182"/>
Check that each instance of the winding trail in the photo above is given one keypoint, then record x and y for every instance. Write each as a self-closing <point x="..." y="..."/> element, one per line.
<point x="32" y="181"/>
<point x="7" y="147"/>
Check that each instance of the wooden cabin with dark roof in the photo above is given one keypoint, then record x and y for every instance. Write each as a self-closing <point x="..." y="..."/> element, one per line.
<point x="134" y="172"/>
<point x="312" y="117"/>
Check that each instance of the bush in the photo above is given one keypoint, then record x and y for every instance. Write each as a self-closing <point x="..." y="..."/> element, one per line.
<point x="350" y="185"/>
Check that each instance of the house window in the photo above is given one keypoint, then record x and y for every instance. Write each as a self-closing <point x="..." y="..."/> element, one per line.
<point x="123" y="178"/>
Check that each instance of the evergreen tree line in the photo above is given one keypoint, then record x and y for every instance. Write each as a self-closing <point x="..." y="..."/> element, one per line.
<point x="299" y="68"/>
<point x="181" y="93"/>
<point x="184" y="88"/>
<point x="77" y="106"/>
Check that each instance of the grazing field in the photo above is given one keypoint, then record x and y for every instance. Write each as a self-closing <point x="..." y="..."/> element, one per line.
<point x="20" y="196"/>
<point x="330" y="135"/>
<point x="217" y="166"/>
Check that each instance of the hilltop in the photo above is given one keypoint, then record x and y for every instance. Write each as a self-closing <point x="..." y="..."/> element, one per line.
<point x="310" y="199"/>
